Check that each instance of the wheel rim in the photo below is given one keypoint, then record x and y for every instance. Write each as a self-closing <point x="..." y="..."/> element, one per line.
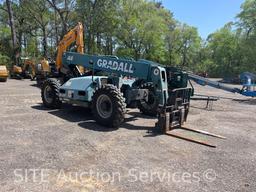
<point x="48" y="95"/>
<point x="104" y="106"/>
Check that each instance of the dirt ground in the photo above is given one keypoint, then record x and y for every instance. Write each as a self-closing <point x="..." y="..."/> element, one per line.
<point x="65" y="150"/>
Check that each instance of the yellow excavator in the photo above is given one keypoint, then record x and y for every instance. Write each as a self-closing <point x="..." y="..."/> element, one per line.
<point x="16" y="72"/>
<point x="3" y="73"/>
<point x="49" y="68"/>
<point x="25" y="70"/>
<point x="28" y="69"/>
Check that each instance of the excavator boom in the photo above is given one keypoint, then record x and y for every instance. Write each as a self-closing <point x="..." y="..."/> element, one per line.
<point x="75" y="35"/>
<point x="29" y="64"/>
<point x="50" y="69"/>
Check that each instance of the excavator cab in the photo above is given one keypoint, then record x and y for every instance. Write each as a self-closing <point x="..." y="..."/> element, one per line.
<point x="28" y="69"/>
<point x="44" y="69"/>
<point x="16" y="72"/>
<point x="43" y="66"/>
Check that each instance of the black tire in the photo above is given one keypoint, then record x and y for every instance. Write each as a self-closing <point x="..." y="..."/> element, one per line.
<point x="17" y="76"/>
<point x="149" y="107"/>
<point x="3" y="79"/>
<point x="50" y="94"/>
<point x="40" y="80"/>
<point x="108" y="106"/>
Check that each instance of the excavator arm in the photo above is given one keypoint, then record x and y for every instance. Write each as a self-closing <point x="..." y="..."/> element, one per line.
<point x="75" y="35"/>
<point x="31" y="64"/>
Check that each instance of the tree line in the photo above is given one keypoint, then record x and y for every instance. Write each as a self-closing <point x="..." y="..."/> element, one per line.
<point x="138" y="29"/>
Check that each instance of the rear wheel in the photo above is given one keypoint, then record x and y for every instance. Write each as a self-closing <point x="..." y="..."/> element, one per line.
<point x="108" y="106"/>
<point x="149" y="107"/>
<point x="50" y="93"/>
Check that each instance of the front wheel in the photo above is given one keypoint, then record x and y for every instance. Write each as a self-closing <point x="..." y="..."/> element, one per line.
<point x="50" y="94"/>
<point x="108" y="106"/>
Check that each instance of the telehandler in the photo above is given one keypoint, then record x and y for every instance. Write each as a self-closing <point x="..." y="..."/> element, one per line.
<point x="122" y="83"/>
<point x="116" y="84"/>
<point x="113" y="84"/>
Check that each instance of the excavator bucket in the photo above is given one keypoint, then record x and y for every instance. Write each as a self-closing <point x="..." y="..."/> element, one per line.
<point x="171" y="117"/>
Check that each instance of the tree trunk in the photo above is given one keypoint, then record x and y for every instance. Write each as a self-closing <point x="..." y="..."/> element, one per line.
<point x="65" y="26"/>
<point x="98" y="43"/>
<point x="13" y="31"/>
<point x="170" y="53"/>
<point x="136" y="54"/>
<point x="19" y="40"/>
<point x="184" y="55"/>
<point x="110" y="46"/>
<point x="88" y="40"/>
<point x="64" y="19"/>
<point x="56" y="28"/>
<point x="45" y="51"/>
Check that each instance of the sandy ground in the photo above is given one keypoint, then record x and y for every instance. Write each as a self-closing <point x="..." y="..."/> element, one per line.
<point x="65" y="150"/>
